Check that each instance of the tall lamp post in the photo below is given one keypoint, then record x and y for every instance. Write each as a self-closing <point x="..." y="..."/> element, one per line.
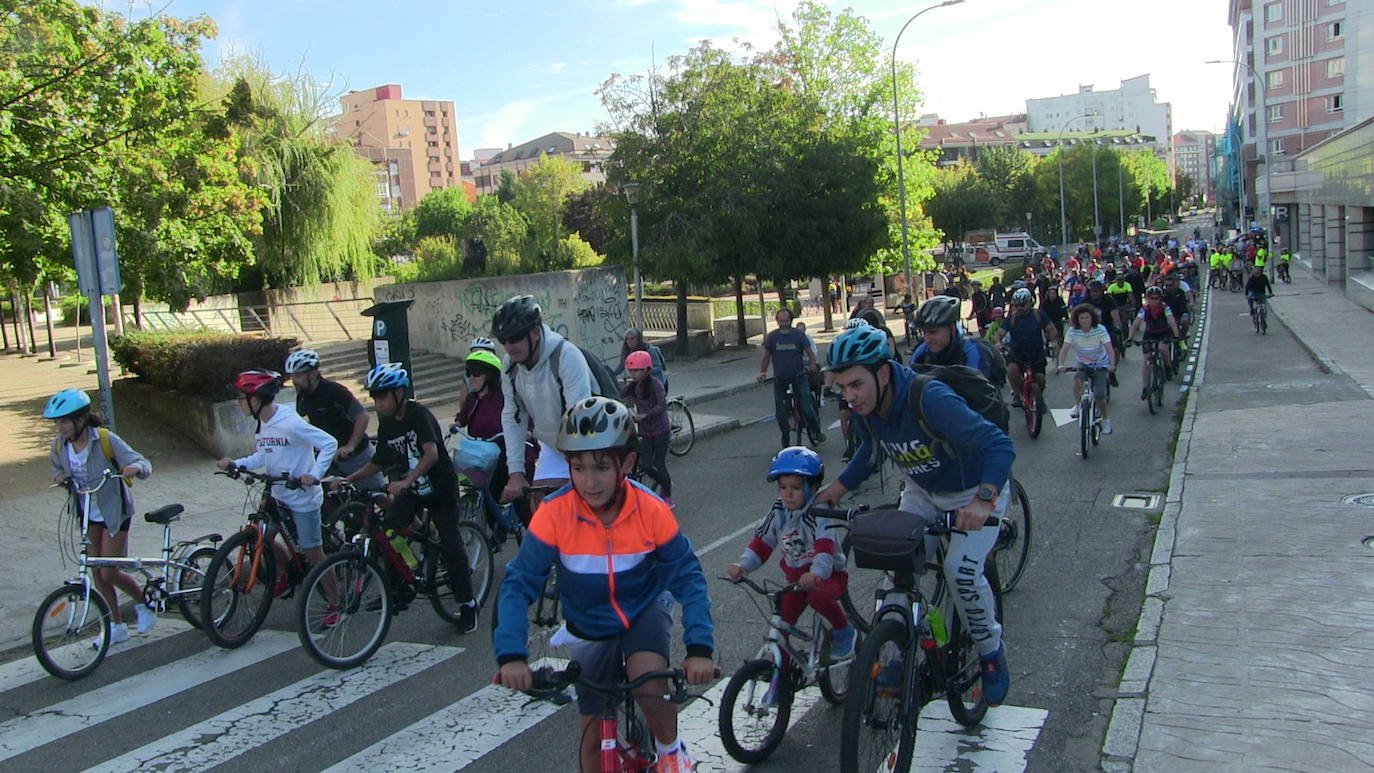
<point x="897" y="126"/>
<point x="1063" y="215"/>
<point x="1097" y="214"/>
<point x="632" y="196"/>
<point x="1261" y="153"/>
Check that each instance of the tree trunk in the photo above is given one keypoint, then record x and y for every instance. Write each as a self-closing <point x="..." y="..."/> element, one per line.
<point x="28" y="318"/>
<point x="138" y="312"/>
<point x="18" y="319"/>
<point x="47" y="318"/>
<point x="825" y="303"/>
<point x="763" y="307"/>
<point x="682" y="345"/>
<point x="118" y="314"/>
<point x="4" y="331"/>
<point x="741" y="338"/>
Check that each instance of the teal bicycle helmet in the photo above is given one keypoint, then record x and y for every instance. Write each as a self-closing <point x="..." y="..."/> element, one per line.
<point x="66" y="403"/>
<point x="858" y="346"/>
<point x="386" y="376"/>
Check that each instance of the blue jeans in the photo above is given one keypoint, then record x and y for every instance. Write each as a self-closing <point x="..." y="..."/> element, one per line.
<point x="802" y="388"/>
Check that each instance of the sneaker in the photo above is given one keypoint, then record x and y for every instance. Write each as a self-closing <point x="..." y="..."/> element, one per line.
<point x="119" y="633"/>
<point x="820" y="437"/>
<point x="841" y="643"/>
<point x="147" y="618"/>
<point x="675" y="762"/>
<point x="889" y="681"/>
<point x="1015" y="400"/>
<point x="1073" y="413"/>
<point x="996" y="677"/>
<point x="1111" y="379"/>
<point x="1106" y="426"/>
<point x="467" y="618"/>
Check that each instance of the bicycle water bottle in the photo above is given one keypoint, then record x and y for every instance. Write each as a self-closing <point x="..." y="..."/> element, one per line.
<point x="937" y="626"/>
<point x="402" y="546"/>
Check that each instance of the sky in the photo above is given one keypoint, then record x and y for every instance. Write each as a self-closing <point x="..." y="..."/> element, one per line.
<point x="518" y="70"/>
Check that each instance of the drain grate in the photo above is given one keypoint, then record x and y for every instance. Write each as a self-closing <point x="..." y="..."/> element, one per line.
<point x="1359" y="499"/>
<point x="1137" y="501"/>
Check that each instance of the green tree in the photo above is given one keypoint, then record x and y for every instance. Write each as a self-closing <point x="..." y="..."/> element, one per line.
<point x="963" y="201"/>
<point x="503" y="230"/>
<point x="540" y="195"/>
<point x="443" y="212"/>
<point x="592" y="214"/>
<point x="1007" y="169"/>
<point x="505" y="190"/>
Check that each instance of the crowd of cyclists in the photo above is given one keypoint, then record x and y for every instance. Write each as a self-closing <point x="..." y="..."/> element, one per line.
<point x="568" y="449"/>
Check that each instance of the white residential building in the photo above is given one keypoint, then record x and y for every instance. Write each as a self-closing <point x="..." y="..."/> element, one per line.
<point x="1131" y="108"/>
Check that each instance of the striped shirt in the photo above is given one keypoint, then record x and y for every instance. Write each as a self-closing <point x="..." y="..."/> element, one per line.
<point x="1090" y="347"/>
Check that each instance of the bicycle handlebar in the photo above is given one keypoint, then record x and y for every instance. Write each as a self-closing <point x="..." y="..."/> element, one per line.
<point x="550" y="683"/>
<point x="764" y="590"/>
<point x="943" y="525"/>
<point x="249" y="477"/>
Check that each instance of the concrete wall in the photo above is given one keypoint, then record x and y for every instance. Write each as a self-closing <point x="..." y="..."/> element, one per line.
<point x="587" y="305"/>
<point x="218" y="427"/>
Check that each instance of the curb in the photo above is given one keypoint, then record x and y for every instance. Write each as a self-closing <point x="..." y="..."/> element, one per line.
<point x="1127" y="720"/>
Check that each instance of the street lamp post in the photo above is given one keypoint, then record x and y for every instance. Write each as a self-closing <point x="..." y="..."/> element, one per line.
<point x="1261" y="154"/>
<point x="632" y="196"/>
<point x="1063" y="215"/>
<point x="1097" y="216"/>
<point x="897" y="126"/>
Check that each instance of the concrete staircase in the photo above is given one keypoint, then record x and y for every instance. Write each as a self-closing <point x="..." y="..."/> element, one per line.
<point x="435" y="377"/>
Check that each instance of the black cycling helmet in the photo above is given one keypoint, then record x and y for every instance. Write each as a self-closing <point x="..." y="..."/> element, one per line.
<point x="940" y="311"/>
<point x="516" y="317"/>
<point x="1096" y="284"/>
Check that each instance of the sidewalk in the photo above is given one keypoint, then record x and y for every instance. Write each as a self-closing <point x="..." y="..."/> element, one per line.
<point x="1255" y="642"/>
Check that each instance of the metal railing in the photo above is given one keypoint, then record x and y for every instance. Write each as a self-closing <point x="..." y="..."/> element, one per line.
<point x="309" y="320"/>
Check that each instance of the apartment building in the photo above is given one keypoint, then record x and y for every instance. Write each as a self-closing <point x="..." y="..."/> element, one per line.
<point x="412" y="142"/>
<point x="588" y="150"/>
<point x="1132" y="108"/>
<point x="1194" y="155"/>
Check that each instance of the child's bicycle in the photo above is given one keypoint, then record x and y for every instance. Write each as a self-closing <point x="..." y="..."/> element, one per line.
<point x="241" y="580"/>
<point x="626" y="743"/>
<point x="757" y="703"/>
<point x="75" y="616"/>
<point x="918" y="647"/>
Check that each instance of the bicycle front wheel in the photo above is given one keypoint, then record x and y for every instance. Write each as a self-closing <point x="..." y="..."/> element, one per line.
<point x="963" y="672"/>
<point x="753" y="721"/>
<point x="234" y="601"/>
<point x="344" y="611"/>
<point x="71" y="632"/>
<point x="189" y="580"/>
<point x="874" y="730"/>
<point x="1013" y="538"/>
<point x="684" y="429"/>
<point x="834" y="676"/>
<point x="1085" y="431"/>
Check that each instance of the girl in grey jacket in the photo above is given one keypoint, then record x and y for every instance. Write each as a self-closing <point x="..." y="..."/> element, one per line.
<point x="78" y="455"/>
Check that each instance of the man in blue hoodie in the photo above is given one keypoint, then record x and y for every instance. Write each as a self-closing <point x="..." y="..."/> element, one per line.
<point x="966" y="470"/>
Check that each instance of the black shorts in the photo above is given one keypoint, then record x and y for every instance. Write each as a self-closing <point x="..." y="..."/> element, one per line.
<point x="1036" y="364"/>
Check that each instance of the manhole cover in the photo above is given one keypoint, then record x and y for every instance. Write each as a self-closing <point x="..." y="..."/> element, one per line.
<point x="1137" y="501"/>
<point x="1359" y="499"/>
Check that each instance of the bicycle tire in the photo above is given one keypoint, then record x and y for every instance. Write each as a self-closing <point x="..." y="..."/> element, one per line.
<point x="683" y="427"/>
<point x="1034" y="416"/>
<point x="1013" y="539"/>
<point x="188" y="581"/>
<point x="857" y="618"/>
<point x="833" y="677"/>
<point x="1159" y="390"/>
<point x="963" y="669"/>
<point x="470" y="507"/>
<point x="363" y="606"/>
<point x="63" y="628"/>
<point x="544" y="619"/>
<point x="225" y="599"/>
<point x="751" y="681"/>
<point x="477" y="546"/>
<point x="873" y="724"/>
<point x="1264" y="320"/>
<point x="1084" y="429"/>
<point x="1095" y="425"/>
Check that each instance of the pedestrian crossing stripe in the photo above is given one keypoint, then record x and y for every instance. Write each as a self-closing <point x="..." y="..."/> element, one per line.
<point x="18" y="673"/>
<point x="698" y="725"/>
<point x="225" y="736"/>
<point x="122" y="698"/>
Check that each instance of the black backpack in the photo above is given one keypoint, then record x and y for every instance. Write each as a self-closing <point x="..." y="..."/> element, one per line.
<point x="982" y="396"/>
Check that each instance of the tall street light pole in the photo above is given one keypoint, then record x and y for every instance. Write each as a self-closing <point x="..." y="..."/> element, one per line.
<point x="1261" y="154"/>
<point x="897" y="126"/>
<point x="632" y="196"/>
<point x="1097" y="213"/>
<point x="1063" y="215"/>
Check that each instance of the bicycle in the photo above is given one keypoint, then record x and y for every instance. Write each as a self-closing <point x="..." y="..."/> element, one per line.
<point x="684" y="428"/>
<point x="626" y="743"/>
<point x="1013" y="539"/>
<point x="241" y="581"/>
<point x="1089" y="423"/>
<point x="71" y="615"/>
<point x="762" y="689"/>
<point x="1154" y="384"/>
<point x="1032" y="401"/>
<point x="1236" y="282"/>
<point x="1259" y="313"/>
<point x="1282" y="271"/>
<point x="922" y="639"/>
<point x="358" y="589"/>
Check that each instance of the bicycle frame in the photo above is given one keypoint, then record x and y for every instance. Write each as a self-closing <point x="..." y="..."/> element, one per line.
<point x="778" y="645"/>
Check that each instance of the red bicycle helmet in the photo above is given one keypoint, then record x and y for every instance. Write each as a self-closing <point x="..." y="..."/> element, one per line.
<point x="639" y="360"/>
<point x="261" y="383"/>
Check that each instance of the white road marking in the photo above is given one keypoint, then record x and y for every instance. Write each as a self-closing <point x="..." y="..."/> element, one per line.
<point x="126" y="696"/>
<point x="1061" y="416"/>
<point x="224" y="737"/>
<point x="732" y="536"/>
<point x="834" y="425"/>
<point x="20" y="672"/>
<point x="457" y="736"/>
<point x="699" y="727"/>
<point x="999" y="745"/>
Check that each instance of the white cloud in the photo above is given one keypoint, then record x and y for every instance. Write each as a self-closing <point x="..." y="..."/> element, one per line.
<point x="524" y="119"/>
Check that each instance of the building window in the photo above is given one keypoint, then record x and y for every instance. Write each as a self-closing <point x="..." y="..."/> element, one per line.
<point x="1276" y="147"/>
<point x="429" y="113"/>
<point x="432" y="143"/>
<point x="1274" y="45"/>
<point x="1273" y="12"/>
<point x="1273" y="79"/>
<point x="432" y="130"/>
<point x="1335" y="103"/>
<point x="1275" y="113"/>
<point x="433" y="159"/>
<point x="1335" y="68"/>
<point x="1335" y="30"/>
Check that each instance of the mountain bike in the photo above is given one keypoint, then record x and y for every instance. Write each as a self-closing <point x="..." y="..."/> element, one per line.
<point x="918" y="649"/>
<point x="1089" y="423"/>
<point x="626" y="743"/>
<point x="75" y="616"/>
<point x="241" y="580"/>
<point x="1259" y="313"/>
<point x="1032" y="400"/>
<point x="1154" y="384"/>
<point x="684" y="428"/>
<point x="349" y="598"/>
<point x="757" y="703"/>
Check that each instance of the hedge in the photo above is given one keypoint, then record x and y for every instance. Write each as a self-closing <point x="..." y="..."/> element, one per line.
<point x="199" y="364"/>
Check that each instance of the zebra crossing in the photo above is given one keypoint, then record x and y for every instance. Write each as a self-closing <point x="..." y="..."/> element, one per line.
<point x="460" y="735"/>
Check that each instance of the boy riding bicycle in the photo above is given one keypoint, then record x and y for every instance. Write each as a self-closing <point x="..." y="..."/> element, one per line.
<point x="810" y="552"/>
<point x="621" y="560"/>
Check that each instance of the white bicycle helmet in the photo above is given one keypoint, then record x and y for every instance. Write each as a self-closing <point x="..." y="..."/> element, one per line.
<point x="482" y="342"/>
<point x="302" y="360"/>
<point x="856" y="322"/>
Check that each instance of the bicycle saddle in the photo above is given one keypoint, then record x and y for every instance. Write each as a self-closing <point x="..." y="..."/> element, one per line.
<point x="164" y="515"/>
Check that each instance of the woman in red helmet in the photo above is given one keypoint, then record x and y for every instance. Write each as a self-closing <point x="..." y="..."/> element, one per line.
<point x="651" y="415"/>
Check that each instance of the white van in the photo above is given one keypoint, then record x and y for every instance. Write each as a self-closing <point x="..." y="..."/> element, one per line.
<point x="1018" y="245"/>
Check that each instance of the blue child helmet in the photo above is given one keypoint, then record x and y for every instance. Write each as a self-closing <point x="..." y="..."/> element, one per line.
<point x="386" y="376"/>
<point x="797" y="460"/>
<point x="65" y="403"/>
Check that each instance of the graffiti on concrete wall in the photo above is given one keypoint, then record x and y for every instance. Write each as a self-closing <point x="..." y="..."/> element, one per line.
<point x="602" y="312"/>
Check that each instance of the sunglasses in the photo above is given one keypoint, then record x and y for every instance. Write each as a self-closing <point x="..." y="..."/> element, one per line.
<point x="476" y="372"/>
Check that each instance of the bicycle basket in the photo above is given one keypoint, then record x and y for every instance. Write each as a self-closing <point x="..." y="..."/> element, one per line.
<point x="476" y="458"/>
<point x="892" y="540"/>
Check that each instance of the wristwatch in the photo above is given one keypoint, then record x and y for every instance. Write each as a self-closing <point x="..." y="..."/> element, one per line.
<point x="986" y="493"/>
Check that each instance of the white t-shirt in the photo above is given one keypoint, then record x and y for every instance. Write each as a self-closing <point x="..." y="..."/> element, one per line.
<point x="76" y="461"/>
<point x="1090" y="347"/>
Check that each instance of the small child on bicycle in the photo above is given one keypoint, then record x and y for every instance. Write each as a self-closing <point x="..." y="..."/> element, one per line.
<point x="80" y="454"/>
<point x="286" y="445"/>
<point x="621" y="561"/>
<point x="651" y="416"/>
<point x="811" y="557"/>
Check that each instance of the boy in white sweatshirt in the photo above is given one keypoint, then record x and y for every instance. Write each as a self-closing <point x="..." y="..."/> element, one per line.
<point x="287" y="445"/>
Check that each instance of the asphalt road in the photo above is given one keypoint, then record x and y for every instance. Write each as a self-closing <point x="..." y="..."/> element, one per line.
<point x="179" y="704"/>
